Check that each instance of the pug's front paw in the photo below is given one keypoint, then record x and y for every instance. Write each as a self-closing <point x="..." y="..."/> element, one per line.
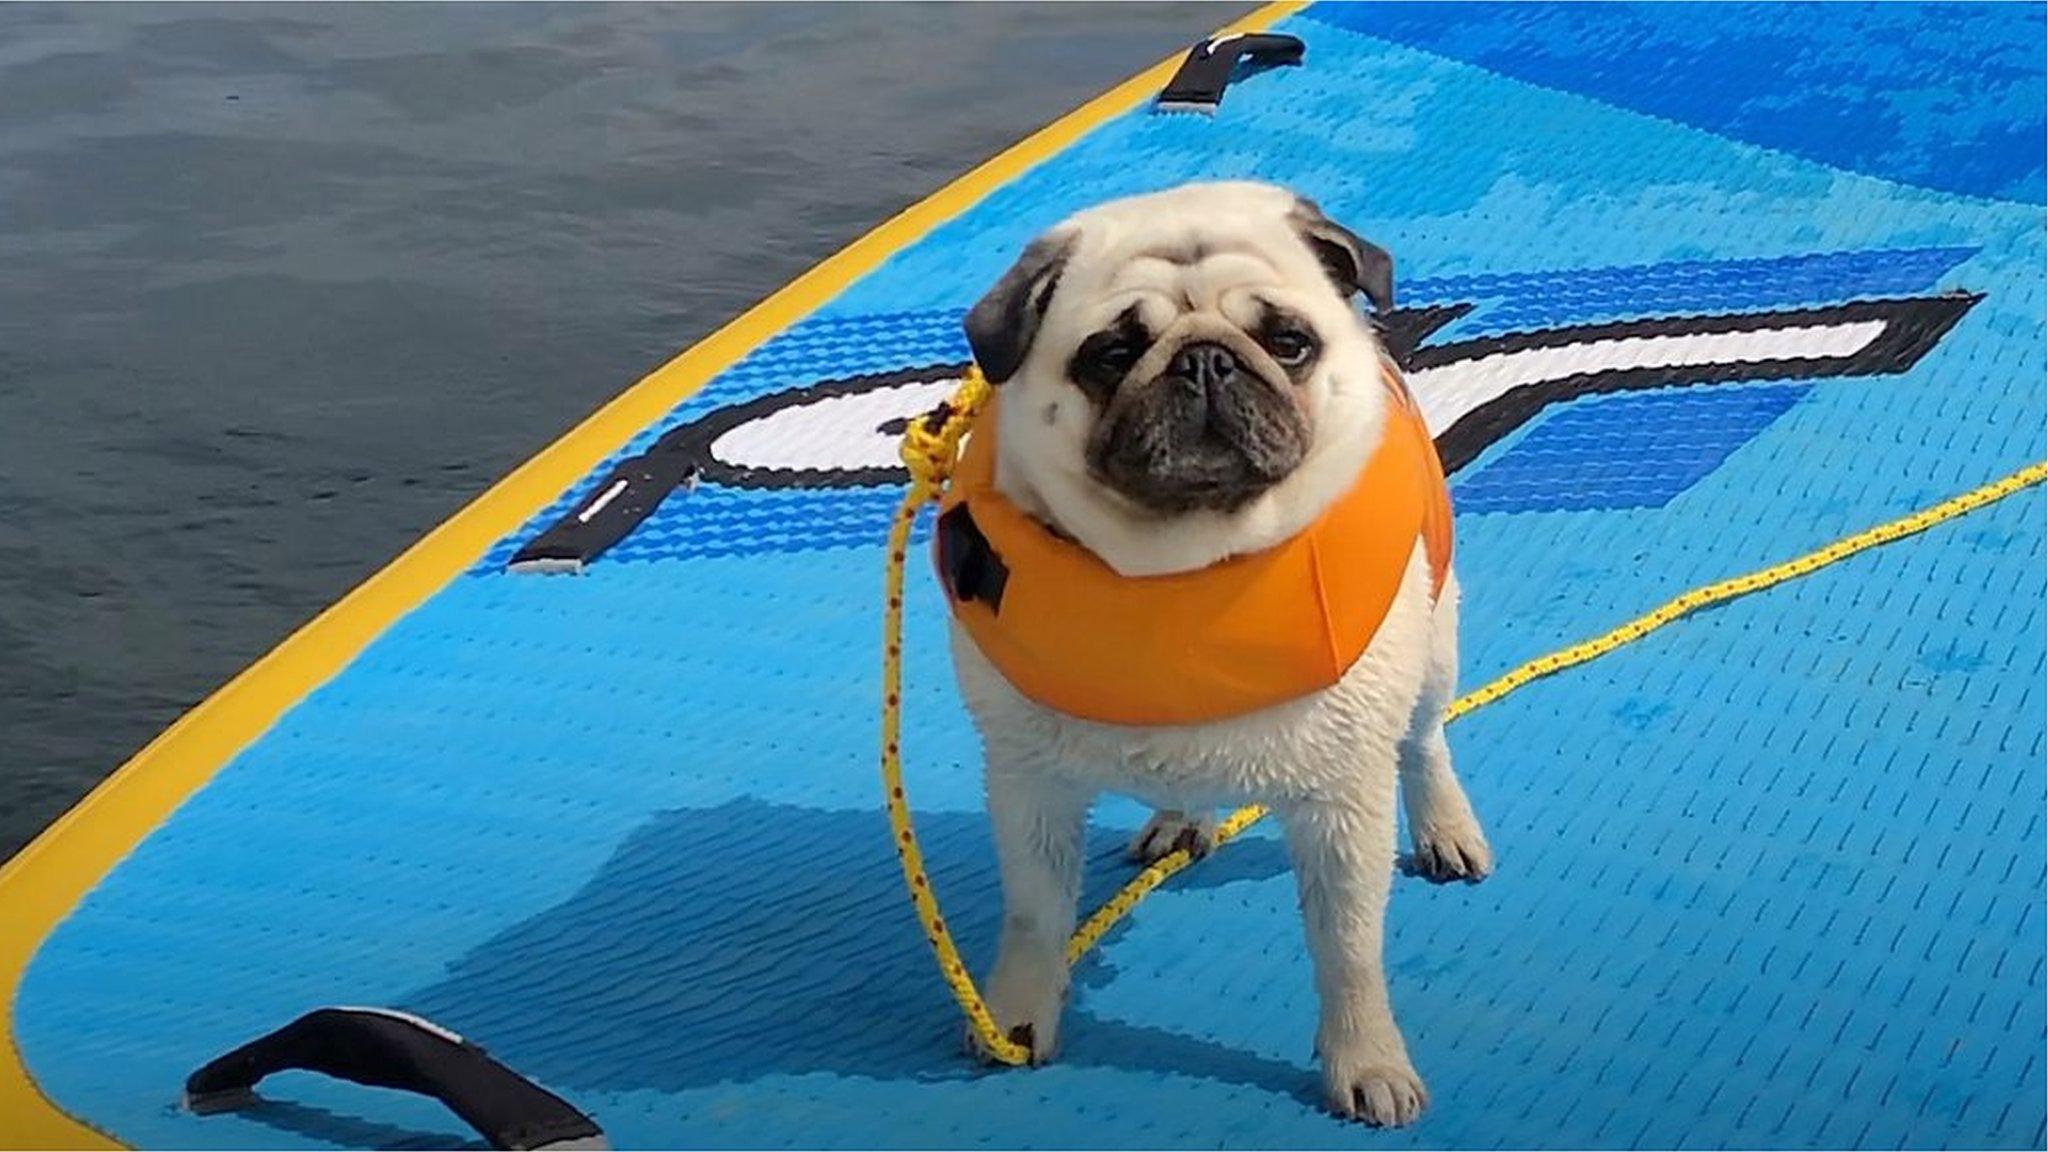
<point x="1381" y="1091"/>
<point x="1026" y="1008"/>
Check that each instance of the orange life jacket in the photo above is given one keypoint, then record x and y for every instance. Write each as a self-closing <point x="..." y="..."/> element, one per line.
<point x="1189" y="647"/>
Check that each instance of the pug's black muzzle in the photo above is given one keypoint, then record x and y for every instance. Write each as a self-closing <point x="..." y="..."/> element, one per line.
<point x="1208" y="432"/>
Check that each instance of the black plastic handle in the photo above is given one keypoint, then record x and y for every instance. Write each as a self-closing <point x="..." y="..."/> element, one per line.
<point x="387" y="1049"/>
<point x="1199" y="83"/>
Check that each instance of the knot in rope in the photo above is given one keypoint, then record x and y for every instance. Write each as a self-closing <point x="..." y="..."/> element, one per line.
<point x="931" y="445"/>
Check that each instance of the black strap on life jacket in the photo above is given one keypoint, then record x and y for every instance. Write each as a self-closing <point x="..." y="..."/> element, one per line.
<point x="967" y="562"/>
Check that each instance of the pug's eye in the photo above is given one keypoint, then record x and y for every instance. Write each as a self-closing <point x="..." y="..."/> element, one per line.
<point x="1104" y="359"/>
<point x="1117" y="358"/>
<point x="1290" y="347"/>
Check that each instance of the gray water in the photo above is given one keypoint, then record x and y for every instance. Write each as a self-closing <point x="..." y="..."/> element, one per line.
<point x="282" y="287"/>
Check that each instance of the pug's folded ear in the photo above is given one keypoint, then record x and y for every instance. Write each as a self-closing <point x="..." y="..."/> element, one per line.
<point x="1001" y="326"/>
<point x="1355" y="263"/>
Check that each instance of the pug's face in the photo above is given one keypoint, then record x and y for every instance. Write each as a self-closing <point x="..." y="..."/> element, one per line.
<point x="1181" y="351"/>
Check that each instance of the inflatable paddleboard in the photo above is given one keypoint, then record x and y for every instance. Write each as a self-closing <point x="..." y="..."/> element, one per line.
<point x="1690" y="290"/>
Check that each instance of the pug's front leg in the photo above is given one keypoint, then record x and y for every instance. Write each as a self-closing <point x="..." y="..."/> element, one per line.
<point x="1343" y="852"/>
<point x="1038" y="830"/>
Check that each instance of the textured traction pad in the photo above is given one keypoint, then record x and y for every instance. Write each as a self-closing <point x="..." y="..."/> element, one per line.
<point x="1771" y="878"/>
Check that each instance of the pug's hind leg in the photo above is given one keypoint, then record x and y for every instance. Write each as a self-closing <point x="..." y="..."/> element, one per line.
<point x="1171" y="828"/>
<point x="1448" y="842"/>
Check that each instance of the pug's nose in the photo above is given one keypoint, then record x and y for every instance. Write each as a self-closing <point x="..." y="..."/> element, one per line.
<point x="1204" y="365"/>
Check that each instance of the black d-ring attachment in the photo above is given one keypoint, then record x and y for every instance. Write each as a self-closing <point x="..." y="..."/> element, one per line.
<point x="1211" y="65"/>
<point x="387" y="1049"/>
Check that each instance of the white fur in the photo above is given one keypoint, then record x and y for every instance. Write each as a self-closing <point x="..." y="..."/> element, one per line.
<point x="1327" y="763"/>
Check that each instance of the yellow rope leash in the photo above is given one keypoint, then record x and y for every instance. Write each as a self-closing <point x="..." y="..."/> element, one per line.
<point x="930" y="447"/>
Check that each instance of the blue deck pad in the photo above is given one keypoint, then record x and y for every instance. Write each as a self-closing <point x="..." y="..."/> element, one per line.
<point x="1871" y="88"/>
<point x="1770" y="878"/>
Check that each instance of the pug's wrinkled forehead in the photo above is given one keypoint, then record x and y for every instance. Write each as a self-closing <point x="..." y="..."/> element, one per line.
<point x="1241" y="251"/>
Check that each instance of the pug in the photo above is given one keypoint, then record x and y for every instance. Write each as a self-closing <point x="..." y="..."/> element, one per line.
<point x="1182" y="379"/>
